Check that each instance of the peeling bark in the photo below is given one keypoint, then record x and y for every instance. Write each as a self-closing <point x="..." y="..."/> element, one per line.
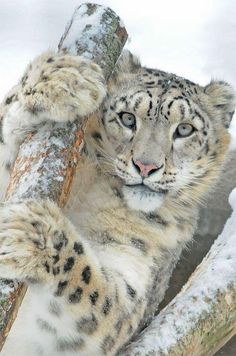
<point x="47" y="160"/>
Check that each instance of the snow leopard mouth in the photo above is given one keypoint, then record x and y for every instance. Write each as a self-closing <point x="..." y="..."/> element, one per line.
<point x="141" y="197"/>
<point x="144" y="189"/>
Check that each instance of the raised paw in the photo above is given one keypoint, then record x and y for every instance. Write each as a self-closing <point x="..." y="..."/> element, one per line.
<point x="62" y="87"/>
<point x="32" y="235"/>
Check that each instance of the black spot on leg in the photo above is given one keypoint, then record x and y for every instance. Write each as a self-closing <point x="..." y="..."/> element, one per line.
<point x="55" y="259"/>
<point x="47" y="267"/>
<point x="37" y="225"/>
<point x="31" y="280"/>
<point x="108" y="344"/>
<point x="69" y="264"/>
<point x="56" y="270"/>
<point x="106" y="238"/>
<point x="50" y="60"/>
<point x="58" y="246"/>
<point x="139" y="244"/>
<point x="9" y="99"/>
<point x="105" y="274"/>
<point x="60" y="288"/>
<point x="24" y="79"/>
<point x="118" y="326"/>
<point x="156" y="218"/>
<point x="87" y="325"/>
<point x="213" y="155"/>
<point x="44" y="325"/>
<point x="60" y="240"/>
<point x="107" y="306"/>
<point x="74" y="344"/>
<point x="131" y="291"/>
<point x="40" y="244"/>
<point x="35" y="109"/>
<point x="28" y="91"/>
<point x="94" y="297"/>
<point x="54" y="308"/>
<point x="44" y="78"/>
<point x="86" y="274"/>
<point x="76" y="296"/>
<point x="78" y="248"/>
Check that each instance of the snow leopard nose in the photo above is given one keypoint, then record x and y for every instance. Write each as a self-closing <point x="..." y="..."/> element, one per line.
<point x="145" y="169"/>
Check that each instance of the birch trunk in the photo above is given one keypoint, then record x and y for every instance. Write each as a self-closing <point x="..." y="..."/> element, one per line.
<point x="47" y="160"/>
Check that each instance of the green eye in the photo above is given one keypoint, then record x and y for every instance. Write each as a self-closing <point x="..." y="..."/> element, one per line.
<point x="184" y="130"/>
<point x="128" y="120"/>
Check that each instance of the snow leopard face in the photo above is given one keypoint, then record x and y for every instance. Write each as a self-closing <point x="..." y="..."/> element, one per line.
<point x="167" y="136"/>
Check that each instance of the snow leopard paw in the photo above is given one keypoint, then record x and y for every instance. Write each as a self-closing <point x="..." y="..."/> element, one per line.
<point x="62" y="87"/>
<point x="32" y="237"/>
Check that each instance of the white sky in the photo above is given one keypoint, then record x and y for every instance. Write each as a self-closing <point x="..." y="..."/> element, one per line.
<point x="195" y="39"/>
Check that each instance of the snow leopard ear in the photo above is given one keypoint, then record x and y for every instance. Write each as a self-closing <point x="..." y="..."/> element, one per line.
<point x="222" y="98"/>
<point x="128" y="63"/>
<point x="126" y="66"/>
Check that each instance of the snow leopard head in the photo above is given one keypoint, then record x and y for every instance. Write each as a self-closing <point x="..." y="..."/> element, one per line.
<point x="163" y="136"/>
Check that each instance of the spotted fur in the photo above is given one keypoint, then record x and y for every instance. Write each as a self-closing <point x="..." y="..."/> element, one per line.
<point x="91" y="268"/>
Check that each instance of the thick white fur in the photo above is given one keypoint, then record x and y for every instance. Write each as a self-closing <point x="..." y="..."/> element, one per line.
<point x="121" y="244"/>
<point x="141" y="200"/>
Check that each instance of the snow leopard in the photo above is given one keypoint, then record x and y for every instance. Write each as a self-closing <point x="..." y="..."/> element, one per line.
<point x="152" y="152"/>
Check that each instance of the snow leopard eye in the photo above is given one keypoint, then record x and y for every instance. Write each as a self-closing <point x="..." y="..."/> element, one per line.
<point x="128" y="120"/>
<point x="184" y="130"/>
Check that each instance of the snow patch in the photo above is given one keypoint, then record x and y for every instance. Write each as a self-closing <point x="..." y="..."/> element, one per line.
<point x="89" y="26"/>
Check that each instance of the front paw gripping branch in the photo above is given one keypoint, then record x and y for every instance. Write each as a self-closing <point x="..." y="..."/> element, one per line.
<point x="47" y="160"/>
